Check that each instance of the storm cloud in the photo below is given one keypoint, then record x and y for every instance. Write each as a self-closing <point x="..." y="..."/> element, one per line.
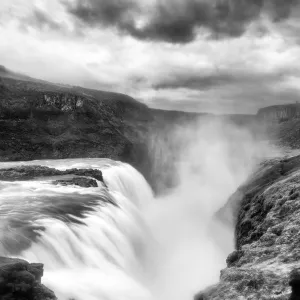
<point x="178" y="54"/>
<point x="108" y="13"/>
<point x="202" y="81"/>
<point x="176" y="21"/>
<point x="195" y="81"/>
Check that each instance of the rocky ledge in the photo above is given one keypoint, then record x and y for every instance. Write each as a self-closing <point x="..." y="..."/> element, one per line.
<point x="20" y="280"/>
<point x="266" y="262"/>
<point x="83" y="177"/>
<point x="79" y="181"/>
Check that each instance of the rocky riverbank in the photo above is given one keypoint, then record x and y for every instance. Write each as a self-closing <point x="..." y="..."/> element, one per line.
<point x="266" y="211"/>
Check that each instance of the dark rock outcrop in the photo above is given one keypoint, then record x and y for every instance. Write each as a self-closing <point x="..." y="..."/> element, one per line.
<point x="31" y="172"/>
<point x="20" y="280"/>
<point x="266" y="211"/>
<point x="295" y="284"/>
<point x="79" y="181"/>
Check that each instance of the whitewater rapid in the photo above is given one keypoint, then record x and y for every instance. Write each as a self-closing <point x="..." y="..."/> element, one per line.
<point x="90" y="239"/>
<point x="96" y="243"/>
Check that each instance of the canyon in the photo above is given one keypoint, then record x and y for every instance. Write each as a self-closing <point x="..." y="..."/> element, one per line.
<point x="42" y="120"/>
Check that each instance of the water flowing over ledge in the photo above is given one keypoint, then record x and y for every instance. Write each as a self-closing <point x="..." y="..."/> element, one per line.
<point x="118" y="241"/>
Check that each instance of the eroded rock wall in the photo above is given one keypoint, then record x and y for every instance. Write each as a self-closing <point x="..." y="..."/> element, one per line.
<point x="267" y="236"/>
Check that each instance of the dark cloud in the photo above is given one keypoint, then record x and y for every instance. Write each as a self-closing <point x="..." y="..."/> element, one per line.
<point x="118" y="13"/>
<point x="201" y="82"/>
<point x="195" y="81"/>
<point x="281" y="9"/>
<point x="41" y="20"/>
<point x="174" y="22"/>
<point x="178" y="21"/>
<point x="238" y="99"/>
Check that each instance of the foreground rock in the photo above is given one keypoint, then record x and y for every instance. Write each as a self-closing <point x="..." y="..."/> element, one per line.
<point x="20" y="280"/>
<point x="34" y="172"/>
<point x="79" y="181"/>
<point x="267" y="257"/>
<point x="295" y="284"/>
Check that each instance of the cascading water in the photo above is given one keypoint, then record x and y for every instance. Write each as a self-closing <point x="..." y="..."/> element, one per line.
<point x="90" y="240"/>
<point x="120" y="242"/>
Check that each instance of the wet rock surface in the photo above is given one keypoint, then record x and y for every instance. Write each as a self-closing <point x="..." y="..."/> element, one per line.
<point x="20" y="280"/>
<point x="33" y="172"/>
<point x="266" y="211"/>
<point x="79" y="181"/>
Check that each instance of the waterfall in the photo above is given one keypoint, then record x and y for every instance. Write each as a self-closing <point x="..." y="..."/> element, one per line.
<point x="92" y="255"/>
<point x="119" y="242"/>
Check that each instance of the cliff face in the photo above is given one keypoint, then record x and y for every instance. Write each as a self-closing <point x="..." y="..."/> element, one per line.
<point x="39" y="120"/>
<point x="267" y="236"/>
<point x="279" y="113"/>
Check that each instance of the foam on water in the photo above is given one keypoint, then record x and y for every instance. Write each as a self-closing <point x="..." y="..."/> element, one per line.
<point x="100" y="259"/>
<point x="115" y="251"/>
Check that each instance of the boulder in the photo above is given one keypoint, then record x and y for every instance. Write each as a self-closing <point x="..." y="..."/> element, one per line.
<point x="20" y="280"/>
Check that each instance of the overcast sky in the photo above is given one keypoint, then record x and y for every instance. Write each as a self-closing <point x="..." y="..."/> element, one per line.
<point x="198" y="55"/>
